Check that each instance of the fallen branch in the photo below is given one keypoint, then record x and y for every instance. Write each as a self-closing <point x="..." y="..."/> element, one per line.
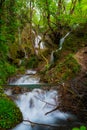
<point x="51" y="111"/>
<point x="44" y="101"/>
<point x="47" y="125"/>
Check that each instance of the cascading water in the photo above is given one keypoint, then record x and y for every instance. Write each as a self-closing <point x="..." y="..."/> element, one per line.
<point x="52" y="57"/>
<point x="62" y="41"/>
<point x="60" y="48"/>
<point x="36" y="107"/>
<point x="35" y="104"/>
<point x="39" y="44"/>
<point x="27" y="79"/>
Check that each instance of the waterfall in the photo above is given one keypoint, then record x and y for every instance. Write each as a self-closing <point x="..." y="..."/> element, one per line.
<point x="52" y="57"/>
<point x="27" y="78"/>
<point x="62" y="41"/>
<point x="60" y="48"/>
<point x="39" y="44"/>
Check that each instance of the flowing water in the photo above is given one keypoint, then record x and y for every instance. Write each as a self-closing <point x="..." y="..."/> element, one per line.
<point x="36" y="107"/>
<point x="39" y="44"/>
<point x="60" y="48"/>
<point x="62" y="41"/>
<point x="26" y="79"/>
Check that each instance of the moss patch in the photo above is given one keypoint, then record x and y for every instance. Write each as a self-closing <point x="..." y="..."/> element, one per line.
<point x="32" y="62"/>
<point x="66" y="69"/>
<point x="10" y="114"/>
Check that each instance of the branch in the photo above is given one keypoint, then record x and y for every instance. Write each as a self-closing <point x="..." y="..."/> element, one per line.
<point x="44" y="101"/>
<point x="40" y="124"/>
<point x="51" y="111"/>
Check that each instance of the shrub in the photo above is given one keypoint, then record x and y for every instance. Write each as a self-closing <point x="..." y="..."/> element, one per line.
<point x="81" y="128"/>
<point x="6" y="70"/>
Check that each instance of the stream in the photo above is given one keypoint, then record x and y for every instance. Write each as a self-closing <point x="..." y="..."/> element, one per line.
<point x="36" y="105"/>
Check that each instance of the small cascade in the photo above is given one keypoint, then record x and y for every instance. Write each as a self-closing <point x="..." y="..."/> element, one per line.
<point x="38" y="106"/>
<point x="35" y="104"/>
<point x="62" y="41"/>
<point x="60" y="48"/>
<point x="39" y="44"/>
<point x="27" y="78"/>
<point x="52" y="57"/>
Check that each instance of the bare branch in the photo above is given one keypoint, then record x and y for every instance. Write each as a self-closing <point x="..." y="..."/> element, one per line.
<point x="52" y="111"/>
<point x="40" y="124"/>
<point x="44" y="101"/>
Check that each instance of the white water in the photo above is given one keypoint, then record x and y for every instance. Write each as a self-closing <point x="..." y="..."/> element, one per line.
<point x="38" y="44"/>
<point x="26" y="79"/>
<point x="52" y="57"/>
<point x="30" y="72"/>
<point x="62" y="41"/>
<point x="36" y="103"/>
<point x="60" y="48"/>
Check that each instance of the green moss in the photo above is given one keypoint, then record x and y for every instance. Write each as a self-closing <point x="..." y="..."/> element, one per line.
<point x="68" y="68"/>
<point x="33" y="62"/>
<point x="6" y="70"/>
<point x="1" y="90"/>
<point x="10" y="114"/>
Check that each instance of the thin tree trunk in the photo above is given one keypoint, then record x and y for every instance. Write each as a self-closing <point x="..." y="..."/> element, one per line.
<point x="31" y="13"/>
<point x="73" y="6"/>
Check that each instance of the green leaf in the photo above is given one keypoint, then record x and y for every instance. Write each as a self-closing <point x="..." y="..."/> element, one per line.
<point x="75" y="128"/>
<point x="82" y="128"/>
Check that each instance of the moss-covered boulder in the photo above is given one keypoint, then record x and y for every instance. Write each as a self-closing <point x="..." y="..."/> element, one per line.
<point x="10" y="114"/>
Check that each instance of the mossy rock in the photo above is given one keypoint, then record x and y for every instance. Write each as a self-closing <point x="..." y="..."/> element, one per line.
<point x="10" y="114"/>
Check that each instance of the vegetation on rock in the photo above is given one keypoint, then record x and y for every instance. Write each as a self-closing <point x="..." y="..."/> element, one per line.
<point x="10" y="114"/>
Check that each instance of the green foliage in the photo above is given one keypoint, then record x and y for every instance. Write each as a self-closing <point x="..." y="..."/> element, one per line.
<point x="81" y="128"/>
<point x="1" y="90"/>
<point x="33" y="62"/>
<point x="75" y="128"/>
<point x="68" y="68"/>
<point x="8" y="28"/>
<point x="6" y="70"/>
<point x="10" y="114"/>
